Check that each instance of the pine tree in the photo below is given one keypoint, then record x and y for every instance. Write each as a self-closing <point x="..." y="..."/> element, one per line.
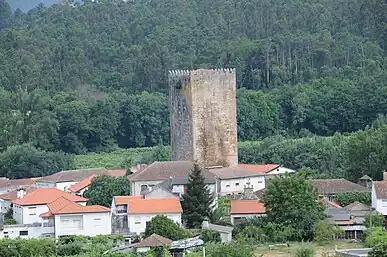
<point x="197" y="201"/>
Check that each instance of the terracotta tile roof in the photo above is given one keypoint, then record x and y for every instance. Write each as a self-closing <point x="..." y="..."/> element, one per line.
<point x="336" y="186"/>
<point x="235" y="172"/>
<point x="14" y="183"/>
<point x="72" y="175"/>
<point x="261" y="168"/>
<point x="82" y="184"/>
<point x="119" y="200"/>
<point x="63" y="205"/>
<point x="12" y="195"/>
<point x="154" y="205"/>
<point x="46" y="195"/>
<point x="344" y="222"/>
<point x="154" y="240"/>
<point x="357" y="206"/>
<point x="247" y="207"/>
<point x="167" y="170"/>
<point x="117" y="173"/>
<point x="381" y="189"/>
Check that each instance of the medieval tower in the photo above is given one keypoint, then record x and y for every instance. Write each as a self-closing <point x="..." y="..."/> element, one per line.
<point x="203" y="116"/>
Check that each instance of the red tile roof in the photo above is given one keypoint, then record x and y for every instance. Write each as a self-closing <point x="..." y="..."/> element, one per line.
<point x="154" y="205"/>
<point x="336" y="186"/>
<point x="381" y="189"/>
<point x="261" y="168"/>
<point x="154" y="240"/>
<point x="247" y="207"/>
<point x="87" y="181"/>
<point x="63" y="205"/>
<point x="12" y="195"/>
<point x="82" y="184"/>
<point x="42" y="196"/>
<point x="235" y="172"/>
<point x="119" y="200"/>
<point x="72" y="175"/>
<point x="328" y="203"/>
<point x="14" y="183"/>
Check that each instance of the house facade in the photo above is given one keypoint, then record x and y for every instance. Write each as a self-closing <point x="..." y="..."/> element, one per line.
<point x="233" y="180"/>
<point x="268" y="169"/>
<point x="134" y="212"/>
<point x="28" y="207"/>
<point x="243" y="209"/>
<point x="177" y="172"/>
<point x="379" y="196"/>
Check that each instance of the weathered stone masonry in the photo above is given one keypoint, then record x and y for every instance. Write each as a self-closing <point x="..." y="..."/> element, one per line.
<point x="203" y="116"/>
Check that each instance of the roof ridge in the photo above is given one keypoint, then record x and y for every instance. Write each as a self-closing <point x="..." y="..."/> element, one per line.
<point x="141" y="171"/>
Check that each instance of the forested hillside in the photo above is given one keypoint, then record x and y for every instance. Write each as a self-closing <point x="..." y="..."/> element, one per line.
<point x="93" y="77"/>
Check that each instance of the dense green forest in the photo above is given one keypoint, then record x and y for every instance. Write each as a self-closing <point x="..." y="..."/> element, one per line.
<point x="93" y="77"/>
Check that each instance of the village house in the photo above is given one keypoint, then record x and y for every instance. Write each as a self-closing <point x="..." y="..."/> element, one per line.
<point x="330" y="187"/>
<point x="233" y="180"/>
<point x="27" y="208"/>
<point x="269" y="170"/>
<point x="63" y="180"/>
<point x="7" y="185"/>
<point x="177" y="172"/>
<point x="7" y="198"/>
<point x="379" y="196"/>
<point x="225" y="232"/>
<point x="71" y="218"/>
<point x="150" y="242"/>
<point x="131" y="213"/>
<point x="243" y="209"/>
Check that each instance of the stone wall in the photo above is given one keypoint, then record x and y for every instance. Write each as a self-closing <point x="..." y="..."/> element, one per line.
<point x="203" y="116"/>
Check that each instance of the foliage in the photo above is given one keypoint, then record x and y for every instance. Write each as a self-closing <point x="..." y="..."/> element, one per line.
<point x="350" y="197"/>
<point x="197" y="200"/>
<point x="163" y="226"/>
<point x="209" y="235"/>
<point x="379" y="250"/>
<point x="291" y="201"/>
<point x="304" y="250"/>
<point x="104" y="187"/>
<point x="25" y="161"/>
<point x="325" y="231"/>
<point x="234" y="249"/>
<point x="159" y="153"/>
<point x="374" y="219"/>
<point x="217" y="215"/>
<point x="27" y="247"/>
<point x="379" y="235"/>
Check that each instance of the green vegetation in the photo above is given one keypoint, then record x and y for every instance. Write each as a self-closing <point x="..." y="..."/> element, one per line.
<point x="93" y="78"/>
<point x="163" y="226"/>
<point x="350" y="197"/>
<point x="103" y="188"/>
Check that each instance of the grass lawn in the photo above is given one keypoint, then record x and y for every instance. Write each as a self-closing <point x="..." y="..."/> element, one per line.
<point x="321" y="250"/>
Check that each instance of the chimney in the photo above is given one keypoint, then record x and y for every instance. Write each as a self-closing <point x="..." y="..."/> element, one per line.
<point x="248" y="192"/>
<point x="385" y="175"/>
<point x="20" y="193"/>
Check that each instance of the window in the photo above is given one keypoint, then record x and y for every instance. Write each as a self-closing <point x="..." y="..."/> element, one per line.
<point x="228" y="185"/>
<point x="32" y="214"/>
<point x="144" y="187"/>
<point x="137" y="220"/>
<point x="23" y="233"/>
<point x="71" y="223"/>
<point x="97" y="222"/>
<point x="237" y="184"/>
<point x="33" y="207"/>
<point x="260" y="181"/>
<point x="384" y="203"/>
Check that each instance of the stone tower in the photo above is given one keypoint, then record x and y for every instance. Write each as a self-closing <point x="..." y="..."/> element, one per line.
<point x="203" y="116"/>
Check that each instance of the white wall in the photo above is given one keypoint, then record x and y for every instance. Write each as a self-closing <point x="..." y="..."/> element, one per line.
<point x="136" y="186"/>
<point x="380" y="205"/>
<point x="42" y="184"/>
<point x="31" y="214"/>
<point x="64" y="186"/>
<point x="13" y="231"/>
<point x="137" y="222"/>
<point x="247" y="216"/>
<point x="229" y="186"/>
<point x="159" y="193"/>
<point x="4" y="205"/>
<point x="281" y="170"/>
<point x="86" y="224"/>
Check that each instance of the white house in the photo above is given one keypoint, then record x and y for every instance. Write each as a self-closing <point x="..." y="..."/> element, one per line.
<point x="267" y="169"/>
<point x="138" y="211"/>
<point x="63" y="180"/>
<point x="379" y="196"/>
<point x="70" y="218"/>
<point x="7" y="198"/>
<point x="243" y="209"/>
<point x="27" y="231"/>
<point x="176" y="171"/>
<point x="233" y="180"/>
<point x="27" y="208"/>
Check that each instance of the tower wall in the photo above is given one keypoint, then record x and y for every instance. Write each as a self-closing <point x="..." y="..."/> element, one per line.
<point x="203" y="116"/>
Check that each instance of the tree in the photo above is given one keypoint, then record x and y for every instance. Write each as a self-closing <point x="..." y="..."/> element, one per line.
<point x="197" y="201"/>
<point x="292" y="201"/>
<point x="374" y="219"/>
<point x="104" y="187"/>
<point x="25" y="161"/>
<point x="209" y="235"/>
<point x="163" y="226"/>
<point x="379" y="250"/>
<point x="325" y="231"/>
<point x="350" y="197"/>
<point x="5" y="13"/>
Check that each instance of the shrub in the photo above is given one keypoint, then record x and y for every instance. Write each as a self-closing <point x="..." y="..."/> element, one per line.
<point x="379" y="235"/>
<point x="163" y="226"/>
<point x="27" y="247"/>
<point x="325" y="231"/>
<point x="304" y="250"/>
<point x="209" y="235"/>
<point x="379" y="250"/>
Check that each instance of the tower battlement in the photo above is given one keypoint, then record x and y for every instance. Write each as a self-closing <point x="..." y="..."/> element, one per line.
<point x="203" y="116"/>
